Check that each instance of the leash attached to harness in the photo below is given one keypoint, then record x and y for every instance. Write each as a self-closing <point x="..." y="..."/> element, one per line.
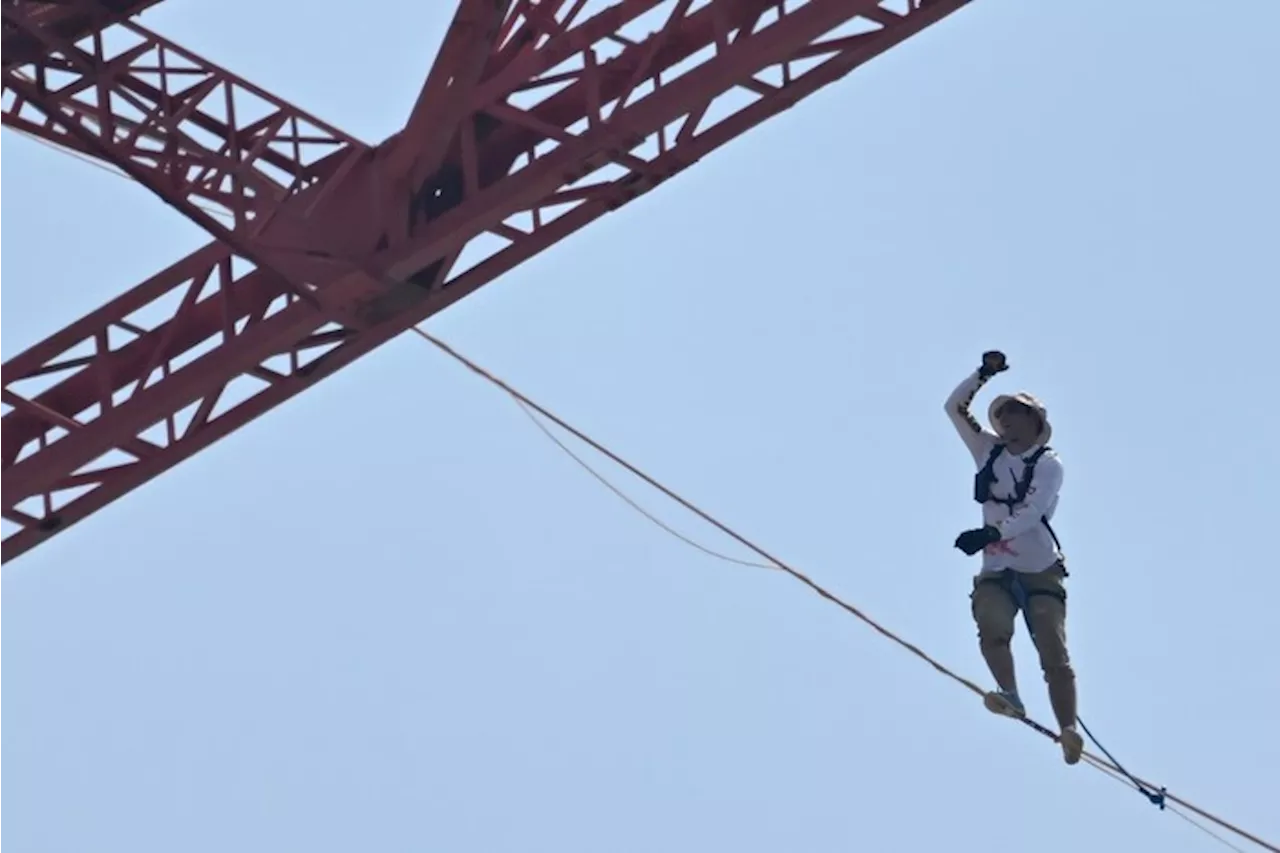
<point x="1013" y="584"/>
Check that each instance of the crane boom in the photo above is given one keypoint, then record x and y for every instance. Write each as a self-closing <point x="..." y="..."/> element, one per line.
<point x="325" y="247"/>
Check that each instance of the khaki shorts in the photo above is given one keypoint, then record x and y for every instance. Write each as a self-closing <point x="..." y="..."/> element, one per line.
<point x="995" y="611"/>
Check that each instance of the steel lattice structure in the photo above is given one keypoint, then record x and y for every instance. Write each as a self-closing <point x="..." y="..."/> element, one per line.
<point x="535" y="119"/>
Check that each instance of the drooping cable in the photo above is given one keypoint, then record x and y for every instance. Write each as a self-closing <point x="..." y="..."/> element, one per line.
<point x="1092" y="760"/>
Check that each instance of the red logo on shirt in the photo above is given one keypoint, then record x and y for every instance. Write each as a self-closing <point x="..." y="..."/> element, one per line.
<point x="1001" y="547"/>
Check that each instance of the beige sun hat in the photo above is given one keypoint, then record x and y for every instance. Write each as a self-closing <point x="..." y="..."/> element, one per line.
<point x="1027" y="400"/>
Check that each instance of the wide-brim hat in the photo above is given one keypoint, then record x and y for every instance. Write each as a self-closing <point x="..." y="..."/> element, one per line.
<point x="1030" y="402"/>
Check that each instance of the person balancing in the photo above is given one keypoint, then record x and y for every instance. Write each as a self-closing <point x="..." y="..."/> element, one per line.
<point x="1023" y="567"/>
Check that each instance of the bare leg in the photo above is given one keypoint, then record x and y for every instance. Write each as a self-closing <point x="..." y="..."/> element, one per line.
<point x="994" y="611"/>
<point x="1047" y="616"/>
<point x="1062" y="695"/>
<point x="1048" y="619"/>
<point x="999" y="658"/>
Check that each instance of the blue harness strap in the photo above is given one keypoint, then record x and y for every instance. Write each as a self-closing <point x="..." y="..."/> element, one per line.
<point x="1015" y="587"/>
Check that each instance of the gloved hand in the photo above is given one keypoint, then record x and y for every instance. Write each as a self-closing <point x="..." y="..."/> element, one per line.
<point x="973" y="541"/>
<point x="993" y="362"/>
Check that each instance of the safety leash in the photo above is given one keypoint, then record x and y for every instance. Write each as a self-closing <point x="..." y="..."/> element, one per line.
<point x="1157" y="799"/>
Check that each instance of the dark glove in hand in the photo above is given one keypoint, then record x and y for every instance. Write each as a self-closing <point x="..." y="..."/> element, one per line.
<point x="973" y="541"/>
<point x="993" y="362"/>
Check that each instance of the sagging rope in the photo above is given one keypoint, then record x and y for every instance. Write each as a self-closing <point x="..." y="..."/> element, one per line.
<point x="1108" y="767"/>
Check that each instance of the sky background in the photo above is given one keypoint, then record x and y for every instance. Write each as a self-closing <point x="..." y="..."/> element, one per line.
<point x="392" y="616"/>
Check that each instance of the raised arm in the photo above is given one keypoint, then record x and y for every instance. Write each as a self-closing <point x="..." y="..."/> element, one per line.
<point x="978" y="440"/>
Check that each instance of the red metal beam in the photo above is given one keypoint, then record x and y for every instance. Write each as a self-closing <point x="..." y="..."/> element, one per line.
<point x="419" y="149"/>
<point x="69" y="20"/>
<point x="179" y="115"/>
<point x="188" y="130"/>
<point x="529" y="174"/>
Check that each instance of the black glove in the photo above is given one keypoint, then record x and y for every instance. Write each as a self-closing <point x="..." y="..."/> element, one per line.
<point x="973" y="541"/>
<point x="993" y="362"/>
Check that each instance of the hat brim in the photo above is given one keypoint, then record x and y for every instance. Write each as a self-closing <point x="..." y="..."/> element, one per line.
<point x="1045" y="434"/>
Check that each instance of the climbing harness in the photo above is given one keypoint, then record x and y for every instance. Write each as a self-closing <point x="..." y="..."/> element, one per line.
<point x="986" y="478"/>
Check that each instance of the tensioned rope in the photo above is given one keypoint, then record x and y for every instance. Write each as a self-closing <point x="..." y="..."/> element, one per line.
<point x="530" y="408"/>
<point x="774" y="562"/>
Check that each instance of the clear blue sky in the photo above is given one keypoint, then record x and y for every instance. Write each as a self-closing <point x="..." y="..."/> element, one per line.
<point x="391" y="616"/>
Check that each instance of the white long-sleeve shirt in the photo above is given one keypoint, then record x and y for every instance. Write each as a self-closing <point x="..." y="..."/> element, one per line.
<point x="1025" y="544"/>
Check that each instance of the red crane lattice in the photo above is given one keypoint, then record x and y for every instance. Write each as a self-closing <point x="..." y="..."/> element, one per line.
<point x="534" y="120"/>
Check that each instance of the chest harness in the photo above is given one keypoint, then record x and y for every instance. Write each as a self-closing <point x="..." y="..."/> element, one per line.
<point x="1008" y="579"/>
